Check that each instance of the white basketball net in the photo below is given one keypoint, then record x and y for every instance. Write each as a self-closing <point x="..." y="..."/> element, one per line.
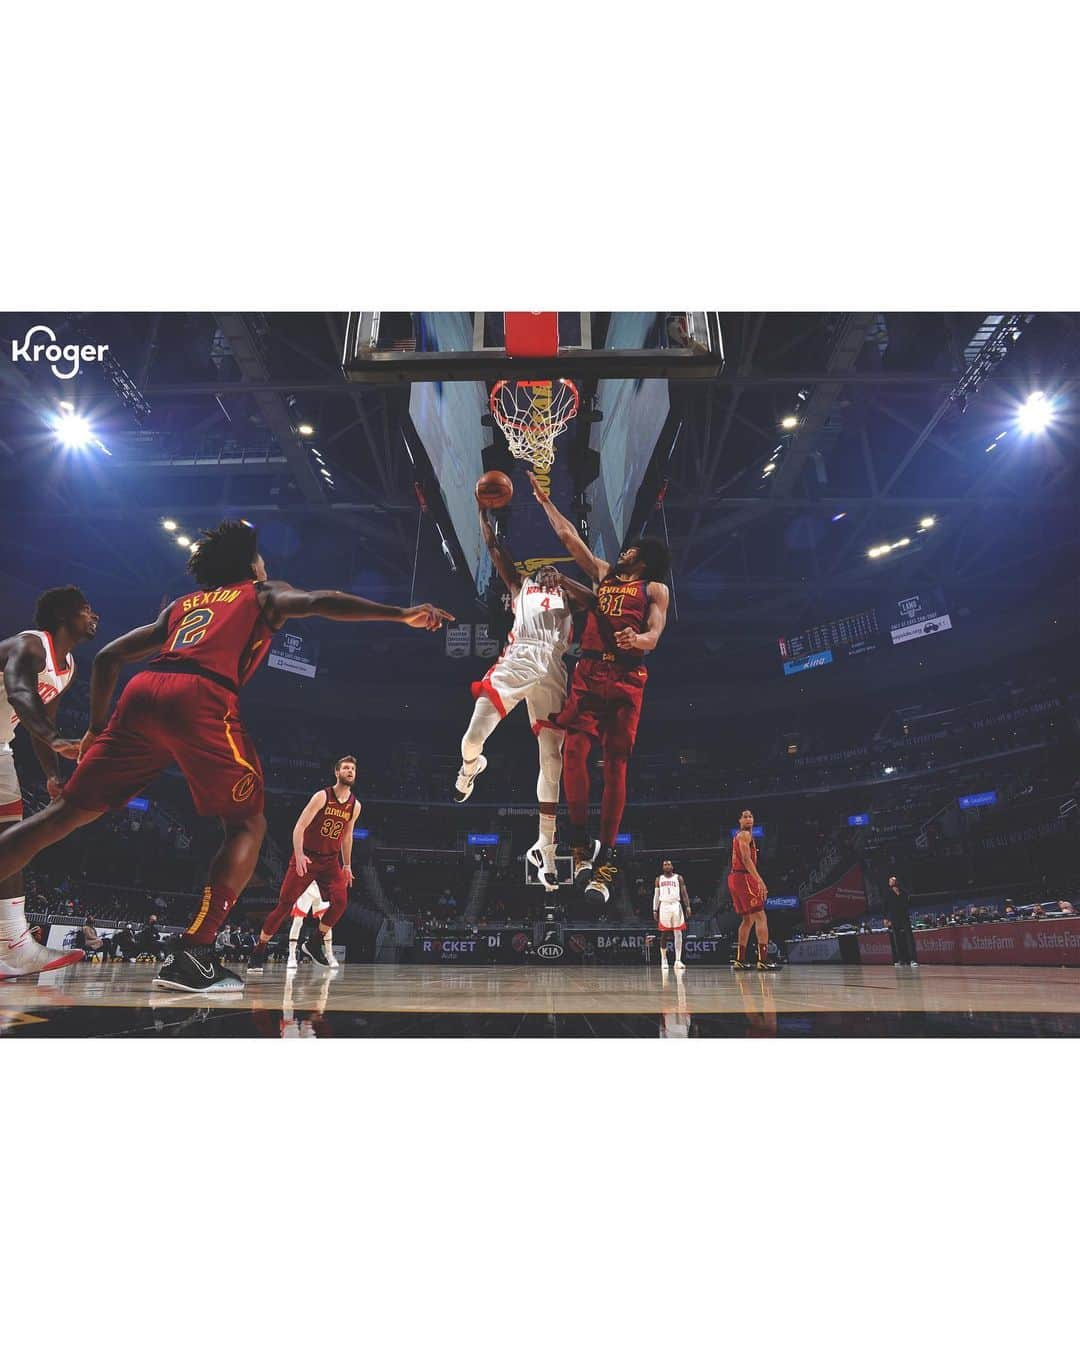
<point x="532" y="414"/>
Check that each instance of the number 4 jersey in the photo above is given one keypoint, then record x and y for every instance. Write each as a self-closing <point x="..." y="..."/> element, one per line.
<point x="222" y="633"/>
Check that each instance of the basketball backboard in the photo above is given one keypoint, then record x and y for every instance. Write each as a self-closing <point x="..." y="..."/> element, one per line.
<point x="386" y="347"/>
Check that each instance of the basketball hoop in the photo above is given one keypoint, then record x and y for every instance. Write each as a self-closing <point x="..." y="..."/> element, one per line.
<point x="532" y="415"/>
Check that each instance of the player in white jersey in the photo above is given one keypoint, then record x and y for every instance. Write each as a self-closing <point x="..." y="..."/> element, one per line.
<point x="37" y="667"/>
<point x="671" y="909"/>
<point x="531" y="667"/>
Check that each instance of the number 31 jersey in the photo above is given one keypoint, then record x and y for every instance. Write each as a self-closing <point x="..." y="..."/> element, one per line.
<point x="222" y="632"/>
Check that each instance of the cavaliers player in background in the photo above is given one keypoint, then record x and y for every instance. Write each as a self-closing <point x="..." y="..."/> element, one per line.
<point x="531" y="668"/>
<point x="319" y="873"/>
<point x="606" y="692"/>
<point x="748" y="894"/>
<point x="184" y="708"/>
<point x="37" y="666"/>
<point x="671" y="909"/>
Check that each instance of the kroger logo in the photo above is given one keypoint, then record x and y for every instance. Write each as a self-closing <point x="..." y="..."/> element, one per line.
<point x="71" y="353"/>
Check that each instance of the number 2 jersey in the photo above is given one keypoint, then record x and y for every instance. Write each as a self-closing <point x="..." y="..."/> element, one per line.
<point x="322" y="838"/>
<point x="220" y="633"/>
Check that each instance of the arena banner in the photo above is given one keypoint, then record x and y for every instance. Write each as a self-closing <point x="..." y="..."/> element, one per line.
<point x="875" y="949"/>
<point x="1033" y="942"/>
<point x="502" y="946"/>
<point x="844" y="899"/>
<point x="813" y="950"/>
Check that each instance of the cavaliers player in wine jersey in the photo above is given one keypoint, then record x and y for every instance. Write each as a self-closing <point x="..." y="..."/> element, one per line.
<point x="606" y="692"/>
<point x="748" y="894"/>
<point x="183" y="709"/>
<point x="37" y="666"/>
<point x="319" y="873"/>
<point x="530" y="670"/>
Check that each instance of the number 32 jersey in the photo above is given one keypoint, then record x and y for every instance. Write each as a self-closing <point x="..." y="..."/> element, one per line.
<point x="222" y="632"/>
<point x="322" y="838"/>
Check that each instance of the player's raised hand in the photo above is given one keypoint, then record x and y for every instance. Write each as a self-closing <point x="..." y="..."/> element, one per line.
<point x="427" y="616"/>
<point x="538" y="492"/>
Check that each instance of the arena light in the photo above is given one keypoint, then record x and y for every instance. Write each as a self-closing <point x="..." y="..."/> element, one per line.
<point x="839" y="516"/>
<point x="168" y="524"/>
<point x="889" y="768"/>
<point x="72" y="431"/>
<point x="790" y="422"/>
<point x="183" y="540"/>
<point x="306" y="429"/>
<point x="902" y="543"/>
<point x="1035" y="415"/>
<point x="927" y="522"/>
<point x="193" y="547"/>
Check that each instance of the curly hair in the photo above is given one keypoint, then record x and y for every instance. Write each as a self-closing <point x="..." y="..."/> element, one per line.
<point x="656" y="556"/>
<point x="223" y="556"/>
<point x="58" y="606"/>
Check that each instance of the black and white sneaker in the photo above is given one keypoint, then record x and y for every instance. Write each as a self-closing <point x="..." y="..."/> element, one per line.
<point x="466" y="779"/>
<point x="584" y="855"/>
<point x="196" y="970"/>
<point x="542" y="857"/>
<point x="313" y="947"/>
<point x="257" y="964"/>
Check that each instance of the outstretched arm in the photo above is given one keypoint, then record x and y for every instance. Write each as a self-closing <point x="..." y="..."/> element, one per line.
<point x="628" y="640"/>
<point x="579" y="596"/>
<point x="134" y="646"/>
<point x="24" y="665"/>
<point x="280" y="602"/>
<point x="568" y="536"/>
<point x="504" y="564"/>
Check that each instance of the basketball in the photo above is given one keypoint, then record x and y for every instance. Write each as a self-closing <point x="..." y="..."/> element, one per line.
<point x="494" y="489"/>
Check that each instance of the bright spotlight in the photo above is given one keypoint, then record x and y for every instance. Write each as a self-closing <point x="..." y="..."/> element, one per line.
<point x="193" y="547"/>
<point x="168" y="524"/>
<point x="790" y="422"/>
<point x="890" y="768"/>
<point x="306" y="429"/>
<point x="902" y="543"/>
<point x="927" y="523"/>
<point x="839" y="516"/>
<point x="72" y="432"/>
<point x="1035" y="415"/>
<point x="183" y="541"/>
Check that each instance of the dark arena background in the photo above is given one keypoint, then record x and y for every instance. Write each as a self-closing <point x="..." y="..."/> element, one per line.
<point x="872" y="643"/>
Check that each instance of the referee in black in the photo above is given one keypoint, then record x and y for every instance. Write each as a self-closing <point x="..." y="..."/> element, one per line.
<point x="903" y="940"/>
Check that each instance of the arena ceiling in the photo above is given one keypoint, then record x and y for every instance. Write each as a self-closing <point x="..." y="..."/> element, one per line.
<point x="896" y="418"/>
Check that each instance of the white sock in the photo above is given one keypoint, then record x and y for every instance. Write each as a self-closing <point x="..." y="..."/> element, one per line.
<point x="13" y="920"/>
<point x="294" y="931"/>
<point x="678" y="946"/>
<point x="547" y="830"/>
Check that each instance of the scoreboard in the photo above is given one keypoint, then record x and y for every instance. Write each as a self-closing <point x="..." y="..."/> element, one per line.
<point x="905" y="618"/>
<point x="852" y="635"/>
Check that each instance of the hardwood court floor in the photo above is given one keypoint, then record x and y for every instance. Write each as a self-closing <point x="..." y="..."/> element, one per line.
<point x="499" y="1001"/>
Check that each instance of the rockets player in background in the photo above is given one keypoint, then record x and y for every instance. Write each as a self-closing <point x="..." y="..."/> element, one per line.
<point x="631" y="605"/>
<point x="671" y="909"/>
<point x="184" y="708"/>
<point x="531" y="668"/>
<point x="37" y="667"/>
<point x="748" y="894"/>
<point x="319" y="873"/>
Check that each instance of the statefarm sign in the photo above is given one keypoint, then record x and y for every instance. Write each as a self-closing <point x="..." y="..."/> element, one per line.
<point x="844" y="899"/>
<point x="1029" y="942"/>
